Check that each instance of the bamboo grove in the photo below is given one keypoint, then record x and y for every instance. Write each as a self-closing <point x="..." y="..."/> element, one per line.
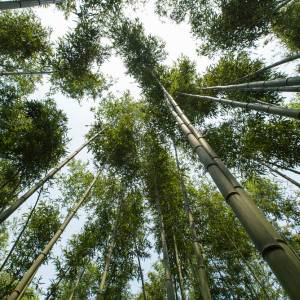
<point x="199" y="174"/>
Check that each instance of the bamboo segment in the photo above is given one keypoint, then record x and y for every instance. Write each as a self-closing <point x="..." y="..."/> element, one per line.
<point x="269" y="109"/>
<point x="281" y="258"/>
<point x="141" y="273"/>
<point x="261" y="85"/>
<point x="28" y="276"/>
<point x="5" y="5"/>
<point x="278" y="63"/>
<point x="5" y="214"/>
<point x="16" y="73"/>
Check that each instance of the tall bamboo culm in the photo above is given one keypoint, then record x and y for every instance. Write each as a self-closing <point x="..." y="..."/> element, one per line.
<point x="6" y="213"/>
<point x="281" y="258"/>
<point x="28" y="276"/>
<point x="5" y="5"/>
<point x="201" y="273"/>
<point x="269" y="109"/>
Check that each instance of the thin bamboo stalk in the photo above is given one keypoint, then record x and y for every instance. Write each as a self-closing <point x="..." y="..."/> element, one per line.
<point x="276" y="64"/>
<point x="76" y="284"/>
<point x="22" y="231"/>
<point x="281" y="258"/>
<point x="282" y="82"/>
<point x="5" y="214"/>
<point x="284" y="168"/>
<point x="269" y="109"/>
<point x="5" y="5"/>
<point x="179" y="270"/>
<point x="166" y="259"/>
<point x="28" y="276"/>
<point x="291" y="180"/>
<point x="141" y="273"/>
<point x="201" y="272"/>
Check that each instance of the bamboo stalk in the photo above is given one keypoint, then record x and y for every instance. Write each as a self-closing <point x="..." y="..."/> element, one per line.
<point x="6" y="213"/>
<point x="179" y="269"/>
<point x="278" y="63"/>
<point x="28" y="276"/>
<point x="201" y="272"/>
<point x="22" y="231"/>
<point x="281" y="258"/>
<point x="166" y="259"/>
<point x="141" y="273"/>
<point x="5" y="5"/>
<point x="269" y="109"/>
<point x="291" y="180"/>
<point x="25" y="72"/>
<point x="276" y="83"/>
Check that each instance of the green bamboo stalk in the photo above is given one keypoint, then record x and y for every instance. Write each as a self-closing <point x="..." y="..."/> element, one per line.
<point x="256" y="85"/>
<point x="5" y="5"/>
<point x="284" y="168"/>
<point x="141" y="273"/>
<point x="201" y="272"/>
<point x="274" y="249"/>
<point x="14" y="73"/>
<point x="179" y="269"/>
<point x="28" y="276"/>
<point x="291" y="180"/>
<point x="22" y="231"/>
<point x="6" y="213"/>
<point x="166" y="259"/>
<point x="269" y="109"/>
<point x="76" y="284"/>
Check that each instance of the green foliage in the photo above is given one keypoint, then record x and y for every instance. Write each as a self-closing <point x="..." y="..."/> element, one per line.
<point x="286" y="26"/>
<point x="77" y="54"/>
<point x="22" y="37"/>
<point x="32" y="135"/>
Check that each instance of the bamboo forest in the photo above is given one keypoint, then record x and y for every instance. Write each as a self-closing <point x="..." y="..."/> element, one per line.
<point x="149" y="150"/>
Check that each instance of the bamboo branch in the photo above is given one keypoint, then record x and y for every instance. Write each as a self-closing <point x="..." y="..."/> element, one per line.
<point x="5" y="5"/>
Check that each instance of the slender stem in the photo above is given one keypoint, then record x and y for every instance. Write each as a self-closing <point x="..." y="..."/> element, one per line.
<point x="5" y="5"/>
<point x="22" y="231"/>
<point x="27" y="278"/>
<point x="141" y="273"/>
<point x="5" y="214"/>
<point x="269" y="109"/>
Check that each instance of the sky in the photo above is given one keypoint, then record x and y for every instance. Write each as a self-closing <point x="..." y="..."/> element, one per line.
<point x="178" y="41"/>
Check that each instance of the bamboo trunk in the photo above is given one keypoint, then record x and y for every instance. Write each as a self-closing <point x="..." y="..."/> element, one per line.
<point x="281" y="258"/>
<point x="179" y="270"/>
<point x="16" y="73"/>
<point x="269" y="109"/>
<point x="284" y="168"/>
<point x="276" y="83"/>
<point x="278" y="63"/>
<point x="296" y="183"/>
<point x="141" y="273"/>
<point x="111" y="246"/>
<point x="201" y="272"/>
<point x="5" y="214"/>
<point x="5" y="5"/>
<point x="22" y="231"/>
<point x="27" y="278"/>
<point x="76" y="284"/>
<point x="166" y="260"/>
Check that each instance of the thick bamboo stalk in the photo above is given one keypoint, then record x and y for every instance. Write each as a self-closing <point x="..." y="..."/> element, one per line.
<point x="14" y="73"/>
<point x="22" y="231"/>
<point x="5" y="5"/>
<point x="179" y="270"/>
<point x="28" y="276"/>
<point x="291" y="180"/>
<point x="282" y="259"/>
<point x="278" y="63"/>
<point x="282" y="82"/>
<point x="269" y="109"/>
<point x="201" y="272"/>
<point x="166" y="259"/>
<point x="141" y="274"/>
<point x="291" y="89"/>
<point x="5" y="214"/>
